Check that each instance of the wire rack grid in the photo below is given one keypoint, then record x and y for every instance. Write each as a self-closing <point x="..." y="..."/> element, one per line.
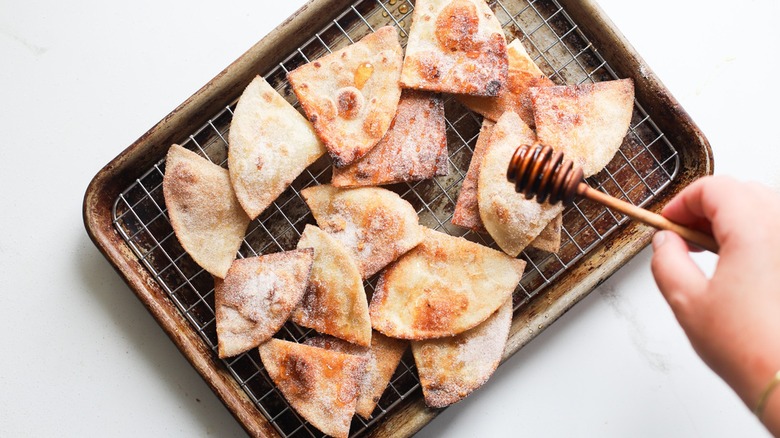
<point x="645" y="164"/>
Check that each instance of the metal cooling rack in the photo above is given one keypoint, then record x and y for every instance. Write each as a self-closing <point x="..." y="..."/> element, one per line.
<point x="645" y="164"/>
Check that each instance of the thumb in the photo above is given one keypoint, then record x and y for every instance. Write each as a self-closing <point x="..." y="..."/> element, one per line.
<point x="676" y="274"/>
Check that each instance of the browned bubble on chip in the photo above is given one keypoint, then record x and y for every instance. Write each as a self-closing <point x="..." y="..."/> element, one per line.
<point x="457" y="26"/>
<point x="351" y="95"/>
<point x="363" y="74"/>
<point x="321" y="385"/>
<point x="376" y="225"/>
<point x="453" y="367"/>
<point x="443" y="287"/>
<point x="467" y="214"/>
<point x="586" y="122"/>
<point x="511" y="220"/>
<point x="257" y="297"/>
<point x="205" y="215"/>
<point x="523" y="75"/>
<point x="335" y="302"/>
<point x="382" y="358"/>
<point x="455" y="47"/>
<point x="414" y="148"/>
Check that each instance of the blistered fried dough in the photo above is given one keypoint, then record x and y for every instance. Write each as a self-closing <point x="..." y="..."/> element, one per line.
<point x="523" y="74"/>
<point x="414" y="148"/>
<point x="351" y="95"/>
<point x="382" y="359"/>
<point x="204" y="212"/>
<point x="375" y="224"/>
<point x="586" y="122"/>
<point x="321" y="385"/>
<point x="271" y="143"/>
<point x="443" y="287"/>
<point x="257" y="297"/>
<point x="511" y="220"/>
<point x="467" y="206"/>
<point x="452" y="368"/>
<point x="455" y="46"/>
<point x="335" y="302"/>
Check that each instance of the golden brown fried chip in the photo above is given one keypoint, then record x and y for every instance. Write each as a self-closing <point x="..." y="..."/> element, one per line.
<point x="586" y="122"/>
<point x="467" y="207"/>
<point x="511" y="220"/>
<point x="204" y="212"/>
<point x="443" y="287"/>
<point x="452" y="368"/>
<point x="414" y="148"/>
<point x="466" y="213"/>
<point x="351" y="95"/>
<point x="523" y="74"/>
<point x="550" y="238"/>
<point x="321" y="385"/>
<point x="375" y="224"/>
<point x="382" y="359"/>
<point x="271" y="143"/>
<point x="335" y="302"/>
<point x="455" y="46"/>
<point x="257" y="297"/>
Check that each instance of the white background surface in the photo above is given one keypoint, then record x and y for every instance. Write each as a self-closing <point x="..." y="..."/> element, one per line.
<point x="80" y="81"/>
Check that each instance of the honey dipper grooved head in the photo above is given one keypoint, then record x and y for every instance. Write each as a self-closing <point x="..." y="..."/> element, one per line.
<point x="537" y="170"/>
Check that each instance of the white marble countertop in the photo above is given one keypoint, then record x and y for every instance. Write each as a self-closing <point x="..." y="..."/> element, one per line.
<point x="81" y="81"/>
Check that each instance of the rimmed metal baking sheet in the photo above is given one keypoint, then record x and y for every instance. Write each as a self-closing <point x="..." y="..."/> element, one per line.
<point x="646" y="163"/>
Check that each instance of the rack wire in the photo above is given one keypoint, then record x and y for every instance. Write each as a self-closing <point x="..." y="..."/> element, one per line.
<point x="645" y="164"/>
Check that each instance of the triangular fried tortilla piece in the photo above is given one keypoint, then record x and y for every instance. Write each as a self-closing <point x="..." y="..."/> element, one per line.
<point x="455" y="46"/>
<point x="467" y="207"/>
<point x="523" y="74"/>
<point x="550" y="238"/>
<point x="335" y="302"/>
<point x="511" y="220"/>
<point x="443" y="287"/>
<point x="271" y="143"/>
<point x="257" y="297"/>
<point x="382" y="359"/>
<point x="375" y="224"/>
<point x="321" y="385"/>
<point x="586" y="122"/>
<point x="466" y="213"/>
<point x="414" y="148"/>
<point x="351" y="95"/>
<point x="204" y="212"/>
<point x="452" y="368"/>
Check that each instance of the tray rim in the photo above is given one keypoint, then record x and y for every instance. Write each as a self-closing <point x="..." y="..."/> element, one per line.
<point x="530" y="320"/>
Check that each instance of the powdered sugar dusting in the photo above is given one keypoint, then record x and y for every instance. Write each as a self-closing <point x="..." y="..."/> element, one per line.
<point x="263" y="290"/>
<point x="321" y="385"/>
<point x="258" y="296"/>
<point x="455" y="47"/>
<point x="375" y="224"/>
<point x="414" y="148"/>
<point x="451" y="368"/>
<point x="381" y="361"/>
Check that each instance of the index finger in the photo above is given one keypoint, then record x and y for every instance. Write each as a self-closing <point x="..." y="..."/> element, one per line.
<point x="734" y="211"/>
<point x="705" y="202"/>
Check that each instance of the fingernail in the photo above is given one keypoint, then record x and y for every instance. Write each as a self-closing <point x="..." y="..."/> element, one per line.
<point x="658" y="239"/>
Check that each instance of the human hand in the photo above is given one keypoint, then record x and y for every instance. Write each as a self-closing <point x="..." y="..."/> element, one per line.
<point x="733" y="318"/>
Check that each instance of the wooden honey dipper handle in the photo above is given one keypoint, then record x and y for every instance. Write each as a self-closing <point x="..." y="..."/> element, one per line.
<point x="537" y="171"/>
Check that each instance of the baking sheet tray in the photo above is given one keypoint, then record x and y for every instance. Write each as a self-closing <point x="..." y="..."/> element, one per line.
<point x="571" y="41"/>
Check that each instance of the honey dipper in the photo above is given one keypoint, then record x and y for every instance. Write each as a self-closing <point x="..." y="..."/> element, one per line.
<point x="537" y="171"/>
